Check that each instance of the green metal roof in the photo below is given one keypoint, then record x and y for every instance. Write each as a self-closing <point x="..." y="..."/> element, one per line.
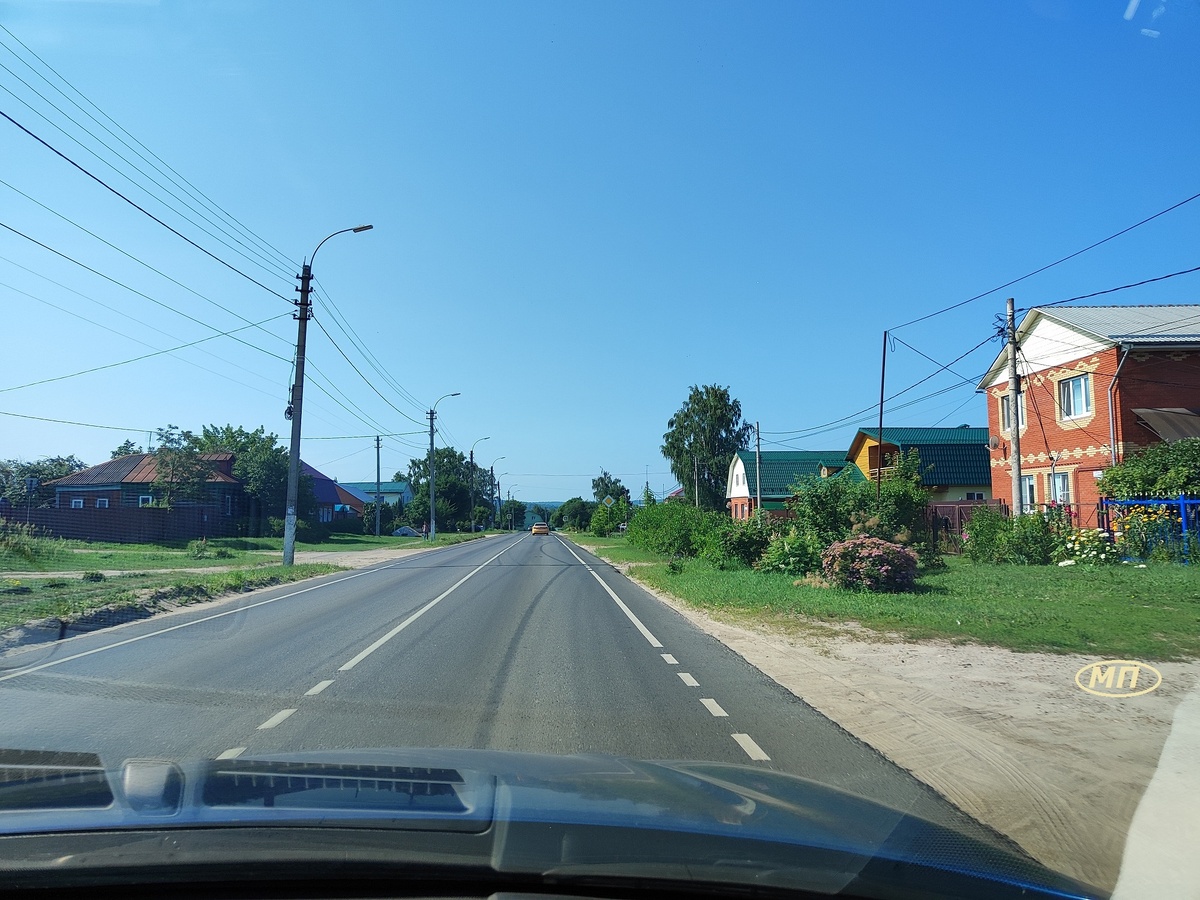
<point x="952" y="464"/>
<point x="783" y="468"/>
<point x="905" y="437"/>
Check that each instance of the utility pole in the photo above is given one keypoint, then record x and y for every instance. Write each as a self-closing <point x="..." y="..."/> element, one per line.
<point x="378" y="487"/>
<point x="471" y="476"/>
<point x="293" y="412"/>
<point x="1014" y="409"/>
<point x="696" y="476"/>
<point x="432" y="475"/>
<point x="879" y="436"/>
<point x="495" y="495"/>
<point x="296" y="407"/>
<point x="757" y="467"/>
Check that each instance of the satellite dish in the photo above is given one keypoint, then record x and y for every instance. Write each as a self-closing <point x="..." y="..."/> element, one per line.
<point x="994" y="442"/>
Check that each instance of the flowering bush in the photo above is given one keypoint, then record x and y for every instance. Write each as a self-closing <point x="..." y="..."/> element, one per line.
<point x="1091" y="546"/>
<point x="870" y="564"/>
<point x="1139" y="531"/>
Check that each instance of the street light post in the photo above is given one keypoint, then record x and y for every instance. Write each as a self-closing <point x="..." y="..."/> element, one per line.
<point x="296" y="406"/>
<point x="433" y="467"/>
<point x="495" y="500"/>
<point x="471" y="477"/>
<point x="512" y="523"/>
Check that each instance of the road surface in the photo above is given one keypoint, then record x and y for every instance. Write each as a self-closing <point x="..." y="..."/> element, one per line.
<point x="522" y="642"/>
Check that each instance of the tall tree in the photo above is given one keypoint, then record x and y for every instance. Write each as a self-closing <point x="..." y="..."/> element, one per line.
<point x="512" y="512"/>
<point x="606" y="485"/>
<point x="260" y="463"/>
<point x="13" y="473"/>
<point x="452" y="489"/>
<point x="576" y="514"/>
<point x="182" y="473"/>
<point x="700" y="441"/>
<point x="127" y="448"/>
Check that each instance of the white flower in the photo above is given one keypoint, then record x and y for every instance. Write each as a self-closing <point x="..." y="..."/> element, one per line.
<point x="1067" y="562"/>
<point x="1141" y="565"/>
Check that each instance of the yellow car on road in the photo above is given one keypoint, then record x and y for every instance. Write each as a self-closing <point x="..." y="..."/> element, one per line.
<point x="539" y="528"/>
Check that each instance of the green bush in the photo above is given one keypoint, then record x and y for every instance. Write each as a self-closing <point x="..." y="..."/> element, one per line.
<point x="311" y="532"/>
<point x="199" y="549"/>
<point x="1035" y="539"/>
<point x="672" y="529"/>
<point x="870" y="564"/>
<point x="27" y="542"/>
<point x="733" y="544"/>
<point x="793" y="552"/>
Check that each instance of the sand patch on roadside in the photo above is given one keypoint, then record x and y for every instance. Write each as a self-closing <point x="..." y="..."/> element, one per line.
<point x="1007" y="737"/>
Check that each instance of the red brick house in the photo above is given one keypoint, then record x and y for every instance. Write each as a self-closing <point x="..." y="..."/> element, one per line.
<point x="1096" y="383"/>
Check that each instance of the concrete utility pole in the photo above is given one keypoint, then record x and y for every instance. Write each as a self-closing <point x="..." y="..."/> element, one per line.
<point x="296" y="406"/>
<point x="757" y="467"/>
<point x="879" y="437"/>
<point x="696" y="476"/>
<point x="378" y="488"/>
<point x="433" y="468"/>
<point x="472" y="478"/>
<point x="1014" y="409"/>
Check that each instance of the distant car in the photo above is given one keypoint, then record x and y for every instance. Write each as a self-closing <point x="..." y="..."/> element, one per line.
<point x="405" y="531"/>
<point x="540" y="528"/>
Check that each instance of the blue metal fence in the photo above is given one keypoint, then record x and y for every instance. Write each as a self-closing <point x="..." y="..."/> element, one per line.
<point x="1144" y="525"/>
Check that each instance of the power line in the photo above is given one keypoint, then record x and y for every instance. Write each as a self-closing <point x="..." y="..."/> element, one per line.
<point x="366" y="380"/>
<point x="1057" y="262"/>
<point x="120" y="284"/>
<point x="80" y="424"/>
<point x="165" y="169"/>
<point x="126" y="362"/>
<point x="135" y="259"/>
<point x="139" y="208"/>
<point x="1123" y="287"/>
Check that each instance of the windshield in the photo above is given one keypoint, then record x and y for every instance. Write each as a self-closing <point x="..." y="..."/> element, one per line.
<point x="860" y="463"/>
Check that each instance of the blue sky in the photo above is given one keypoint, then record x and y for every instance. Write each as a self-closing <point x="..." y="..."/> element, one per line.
<point x="579" y="210"/>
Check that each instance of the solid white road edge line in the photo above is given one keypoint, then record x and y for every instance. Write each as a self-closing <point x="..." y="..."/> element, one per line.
<point x="654" y="642"/>
<point x="752" y="749"/>
<point x="161" y="631"/>
<point x="276" y="719"/>
<point x="318" y="687"/>
<point x="420" y="612"/>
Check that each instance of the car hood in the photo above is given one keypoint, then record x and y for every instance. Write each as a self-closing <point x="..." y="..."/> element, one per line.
<point x="562" y="817"/>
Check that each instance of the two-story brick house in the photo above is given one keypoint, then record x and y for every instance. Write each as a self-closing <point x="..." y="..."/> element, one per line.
<point x="1096" y="383"/>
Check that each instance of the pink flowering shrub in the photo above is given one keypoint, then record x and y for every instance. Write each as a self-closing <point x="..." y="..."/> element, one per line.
<point x="870" y="564"/>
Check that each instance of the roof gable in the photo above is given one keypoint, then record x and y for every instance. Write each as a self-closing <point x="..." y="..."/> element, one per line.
<point x="783" y="468"/>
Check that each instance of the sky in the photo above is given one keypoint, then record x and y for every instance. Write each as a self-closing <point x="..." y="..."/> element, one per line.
<point x="580" y="210"/>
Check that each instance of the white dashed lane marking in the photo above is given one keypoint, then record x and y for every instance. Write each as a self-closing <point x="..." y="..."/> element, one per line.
<point x="713" y="707"/>
<point x="670" y="660"/>
<point x="232" y="753"/>
<point x="276" y="719"/>
<point x="318" y="687"/>
<point x="752" y="749"/>
<point x="686" y="678"/>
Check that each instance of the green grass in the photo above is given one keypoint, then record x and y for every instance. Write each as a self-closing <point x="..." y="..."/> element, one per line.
<point x="27" y="600"/>
<point x="1108" y="612"/>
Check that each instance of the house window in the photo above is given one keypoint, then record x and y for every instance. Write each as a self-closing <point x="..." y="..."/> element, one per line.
<point x="1006" y="412"/>
<point x="1075" y="396"/>
<point x="145" y="500"/>
<point x="229" y="504"/>
<point x="1060" y="487"/>
<point x="101" y="503"/>
<point x="1028" y="493"/>
<point x="974" y="495"/>
<point x="77" y="503"/>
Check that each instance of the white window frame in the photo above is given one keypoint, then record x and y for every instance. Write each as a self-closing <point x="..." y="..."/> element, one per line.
<point x="1060" y="487"/>
<point x="101" y="503"/>
<point x="974" y="495"/>
<point x="1006" y="414"/>
<point x="1067" y="396"/>
<point x="145" y="500"/>
<point x="1028" y="493"/>
<point x="76" y="503"/>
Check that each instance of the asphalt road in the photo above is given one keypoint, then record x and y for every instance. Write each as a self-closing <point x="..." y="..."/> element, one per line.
<point x="522" y="642"/>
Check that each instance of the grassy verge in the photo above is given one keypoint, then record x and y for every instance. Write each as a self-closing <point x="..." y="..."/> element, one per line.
<point x="28" y="600"/>
<point x="342" y="543"/>
<point x="1108" y="612"/>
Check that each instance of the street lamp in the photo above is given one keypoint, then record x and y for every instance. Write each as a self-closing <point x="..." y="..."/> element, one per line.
<point x="296" y="406"/>
<point x="433" y="466"/>
<point x="511" y="518"/>
<point x="472" y="479"/>
<point x="495" y="488"/>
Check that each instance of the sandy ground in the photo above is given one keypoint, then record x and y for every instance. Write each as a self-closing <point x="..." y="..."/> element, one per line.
<point x="1007" y="737"/>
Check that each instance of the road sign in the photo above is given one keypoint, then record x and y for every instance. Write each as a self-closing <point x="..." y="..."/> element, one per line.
<point x="608" y="501"/>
